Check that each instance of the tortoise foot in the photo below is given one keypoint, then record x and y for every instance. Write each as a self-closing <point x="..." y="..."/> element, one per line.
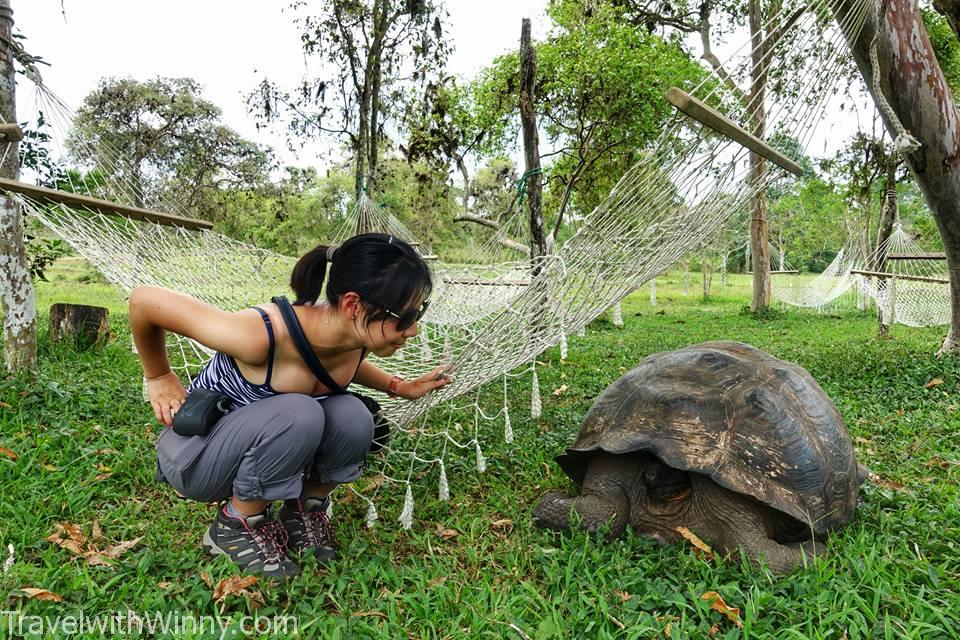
<point x="553" y="511"/>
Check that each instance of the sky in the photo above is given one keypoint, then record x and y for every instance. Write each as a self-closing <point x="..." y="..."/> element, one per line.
<point x="230" y="45"/>
<point x="226" y="45"/>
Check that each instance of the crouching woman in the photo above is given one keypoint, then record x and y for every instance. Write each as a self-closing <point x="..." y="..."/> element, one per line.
<point x="291" y="434"/>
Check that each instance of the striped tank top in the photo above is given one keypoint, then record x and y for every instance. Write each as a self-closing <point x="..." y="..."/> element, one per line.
<point x="222" y="374"/>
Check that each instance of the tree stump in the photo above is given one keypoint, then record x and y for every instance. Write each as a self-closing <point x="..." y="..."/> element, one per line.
<point x="80" y="324"/>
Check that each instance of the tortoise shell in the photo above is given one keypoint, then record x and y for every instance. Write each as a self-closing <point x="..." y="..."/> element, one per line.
<point x="752" y="423"/>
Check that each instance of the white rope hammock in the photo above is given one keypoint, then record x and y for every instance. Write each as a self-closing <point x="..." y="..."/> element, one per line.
<point x="489" y="320"/>
<point x="913" y="289"/>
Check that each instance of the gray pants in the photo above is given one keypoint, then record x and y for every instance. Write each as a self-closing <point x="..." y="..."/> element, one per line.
<point x="266" y="449"/>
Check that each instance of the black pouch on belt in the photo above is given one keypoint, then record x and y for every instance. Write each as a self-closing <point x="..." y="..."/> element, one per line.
<point x="200" y="411"/>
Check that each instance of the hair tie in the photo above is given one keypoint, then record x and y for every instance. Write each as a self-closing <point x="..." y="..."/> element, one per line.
<point x="331" y="251"/>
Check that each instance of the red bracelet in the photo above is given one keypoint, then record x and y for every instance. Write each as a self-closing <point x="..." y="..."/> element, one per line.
<point x="394" y="386"/>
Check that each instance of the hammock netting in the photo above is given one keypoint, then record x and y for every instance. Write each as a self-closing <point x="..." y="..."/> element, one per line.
<point x="912" y="289"/>
<point x="491" y="317"/>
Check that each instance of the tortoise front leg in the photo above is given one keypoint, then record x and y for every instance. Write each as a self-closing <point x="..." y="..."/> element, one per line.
<point x="593" y="512"/>
<point x="603" y="500"/>
<point x="782" y="558"/>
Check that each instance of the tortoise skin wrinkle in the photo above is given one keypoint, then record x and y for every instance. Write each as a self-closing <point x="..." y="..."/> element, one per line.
<point x="769" y="459"/>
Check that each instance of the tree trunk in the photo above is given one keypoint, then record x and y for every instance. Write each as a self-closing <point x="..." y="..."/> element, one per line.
<point x="16" y="287"/>
<point x="759" y="246"/>
<point x="381" y="23"/>
<point x="79" y="324"/>
<point x="531" y="146"/>
<point x="913" y="83"/>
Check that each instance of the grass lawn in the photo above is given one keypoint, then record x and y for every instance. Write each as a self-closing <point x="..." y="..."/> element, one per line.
<point x="78" y="440"/>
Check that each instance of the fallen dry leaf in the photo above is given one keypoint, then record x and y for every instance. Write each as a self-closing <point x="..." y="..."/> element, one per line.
<point x="699" y="546"/>
<point x="163" y="585"/>
<point x="71" y="537"/>
<point x="714" y="630"/>
<point x="374" y="484"/>
<point x="502" y="523"/>
<point x="369" y="614"/>
<point x="233" y="586"/>
<point x="8" y="453"/>
<point x="207" y="580"/>
<point x="4" y="405"/>
<point x="623" y="595"/>
<point x="933" y="383"/>
<point x="102" y="476"/>
<point x="717" y="604"/>
<point x="884" y="482"/>
<point x="434" y="582"/>
<point x="559" y="390"/>
<point x="445" y="533"/>
<point x="940" y="462"/>
<point x="41" y="594"/>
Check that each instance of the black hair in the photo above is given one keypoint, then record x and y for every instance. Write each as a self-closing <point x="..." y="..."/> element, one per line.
<point x="385" y="271"/>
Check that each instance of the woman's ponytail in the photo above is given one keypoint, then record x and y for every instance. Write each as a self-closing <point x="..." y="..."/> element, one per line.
<point x="308" y="275"/>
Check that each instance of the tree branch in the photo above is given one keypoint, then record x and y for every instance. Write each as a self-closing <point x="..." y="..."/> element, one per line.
<point x="507" y="242"/>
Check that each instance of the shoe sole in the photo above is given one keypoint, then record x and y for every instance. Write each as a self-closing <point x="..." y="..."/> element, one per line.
<point x="210" y="546"/>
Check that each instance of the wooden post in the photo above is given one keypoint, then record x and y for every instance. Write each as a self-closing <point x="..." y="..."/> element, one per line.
<point x="531" y="146"/>
<point x="16" y="287"/>
<point x="79" y="324"/>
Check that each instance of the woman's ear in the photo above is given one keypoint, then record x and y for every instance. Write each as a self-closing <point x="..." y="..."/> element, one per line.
<point x="350" y="304"/>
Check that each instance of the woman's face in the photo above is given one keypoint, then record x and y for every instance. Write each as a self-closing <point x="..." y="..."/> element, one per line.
<point x="384" y="338"/>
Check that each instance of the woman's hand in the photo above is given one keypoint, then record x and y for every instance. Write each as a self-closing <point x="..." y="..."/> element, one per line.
<point x="166" y="395"/>
<point x="427" y="383"/>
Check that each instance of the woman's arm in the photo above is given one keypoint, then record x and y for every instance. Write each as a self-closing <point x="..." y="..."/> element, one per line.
<point x="154" y="310"/>
<point x="373" y="377"/>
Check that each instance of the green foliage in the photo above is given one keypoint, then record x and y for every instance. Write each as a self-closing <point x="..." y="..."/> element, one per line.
<point x="375" y="55"/>
<point x="807" y="223"/>
<point x="893" y="572"/>
<point x="600" y="89"/>
<point x="945" y="46"/>
<point x="158" y="139"/>
<point x="42" y="252"/>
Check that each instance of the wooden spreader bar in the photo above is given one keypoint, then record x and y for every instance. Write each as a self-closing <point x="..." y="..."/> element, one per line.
<point x="10" y="132"/>
<point x="487" y="283"/>
<point x="723" y="125"/>
<point x="54" y="196"/>
<point x="916" y="256"/>
<point x="899" y="276"/>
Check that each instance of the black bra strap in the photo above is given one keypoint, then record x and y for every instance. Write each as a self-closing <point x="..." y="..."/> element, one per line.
<point x="273" y="343"/>
<point x="303" y="348"/>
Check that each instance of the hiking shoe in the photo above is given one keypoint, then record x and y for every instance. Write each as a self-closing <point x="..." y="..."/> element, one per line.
<point x="309" y="528"/>
<point x="258" y="544"/>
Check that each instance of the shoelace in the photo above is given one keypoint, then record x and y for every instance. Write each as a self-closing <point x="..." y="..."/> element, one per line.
<point x="272" y="538"/>
<point x="319" y="529"/>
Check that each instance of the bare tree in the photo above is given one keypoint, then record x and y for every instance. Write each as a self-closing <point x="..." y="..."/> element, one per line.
<point x="16" y="288"/>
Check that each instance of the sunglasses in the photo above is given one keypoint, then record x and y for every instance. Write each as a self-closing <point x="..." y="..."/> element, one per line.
<point x="405" y="319"/>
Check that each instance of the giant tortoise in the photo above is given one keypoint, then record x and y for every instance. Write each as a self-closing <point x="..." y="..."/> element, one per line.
<point x="744" y="450"/>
